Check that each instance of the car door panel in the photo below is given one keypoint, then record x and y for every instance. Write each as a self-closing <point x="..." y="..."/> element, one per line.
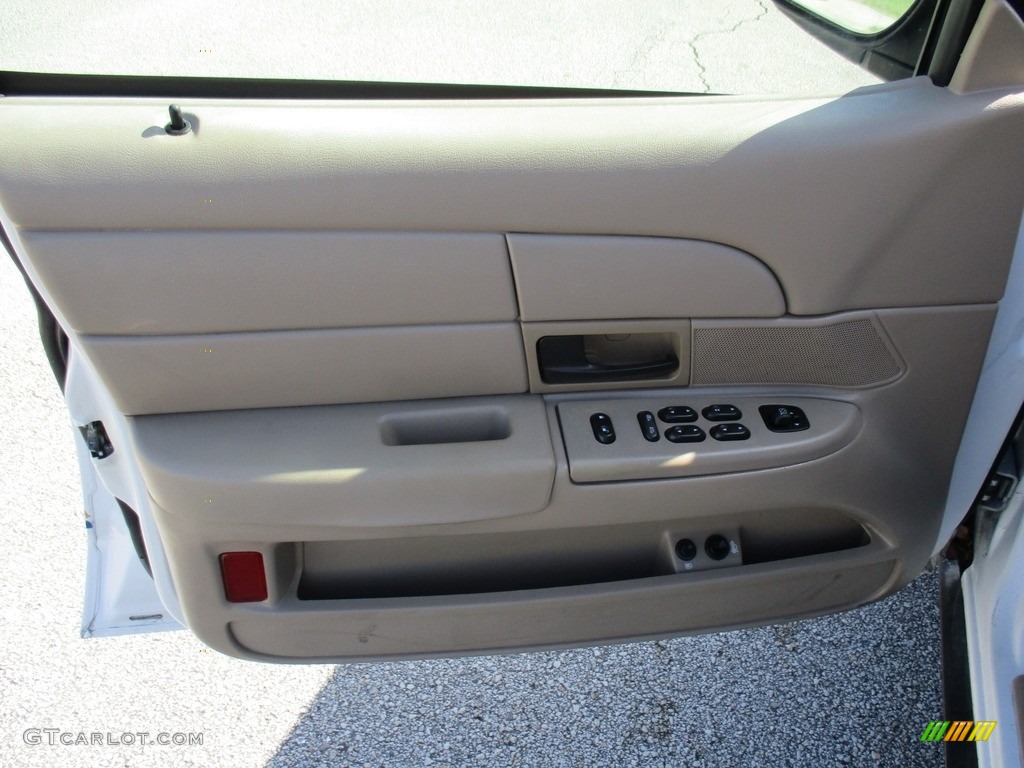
<point x="327" y="351"/>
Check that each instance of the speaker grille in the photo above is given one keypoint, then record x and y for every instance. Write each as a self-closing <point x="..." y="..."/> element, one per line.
<point x="844" y="354"/>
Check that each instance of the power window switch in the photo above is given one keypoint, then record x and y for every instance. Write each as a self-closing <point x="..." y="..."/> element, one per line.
<point x="677" y="414"/>
<point x="688" y="433"/>
<point x="727" y="432"/>
<point x="604" y="432"/>
<point x="722" y="412"/>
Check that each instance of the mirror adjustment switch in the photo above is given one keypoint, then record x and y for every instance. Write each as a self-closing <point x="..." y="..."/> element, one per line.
<point x="677" y="414"/>
<point x="784" y="418"/>
<point x="604" y="432"/>
<point x="648" y="426"/>
<point x="727" y="432"/>
<point x="722" y="412"/>
<point x="685" y="434"/>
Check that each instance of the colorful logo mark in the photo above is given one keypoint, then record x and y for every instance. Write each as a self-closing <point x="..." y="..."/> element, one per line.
<point x="958" y="730"/>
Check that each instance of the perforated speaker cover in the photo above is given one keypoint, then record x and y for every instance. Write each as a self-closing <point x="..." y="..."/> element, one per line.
<point x="850" y="353"/>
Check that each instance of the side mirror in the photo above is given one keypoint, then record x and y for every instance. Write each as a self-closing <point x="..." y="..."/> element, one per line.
<point x="892" y="39"/>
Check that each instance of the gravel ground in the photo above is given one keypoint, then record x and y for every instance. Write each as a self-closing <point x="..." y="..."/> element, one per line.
<point x="855" y="689"/>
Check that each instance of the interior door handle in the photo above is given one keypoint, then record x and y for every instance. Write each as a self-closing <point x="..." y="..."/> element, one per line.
<point x="563" y="360"/>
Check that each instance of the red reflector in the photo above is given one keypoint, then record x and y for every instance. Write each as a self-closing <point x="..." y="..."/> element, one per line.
<point x="245" y="581"/>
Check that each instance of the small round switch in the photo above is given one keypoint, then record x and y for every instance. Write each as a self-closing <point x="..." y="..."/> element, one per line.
<point x="717" y="547"/>
<point x="686" y="550"/>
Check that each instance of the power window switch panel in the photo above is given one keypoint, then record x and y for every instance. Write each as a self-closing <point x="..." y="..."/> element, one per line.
<point x="698" y="450"/>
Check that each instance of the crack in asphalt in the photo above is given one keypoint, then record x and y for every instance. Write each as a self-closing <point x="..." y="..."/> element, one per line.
<point x="642" y="52"/>
<point x="701" y="69"/>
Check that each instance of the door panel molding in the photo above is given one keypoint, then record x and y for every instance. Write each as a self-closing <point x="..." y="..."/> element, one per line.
<point x="544" y="619"/>
<point x="175" y="374"/>
<point x="162" y="283"/>
<point x="897" y="195"/>
<point x="560" y="277"/>
<point x="378" y="465"/>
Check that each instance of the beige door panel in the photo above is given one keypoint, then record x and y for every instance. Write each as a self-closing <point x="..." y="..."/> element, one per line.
<point x="396" y="264"/>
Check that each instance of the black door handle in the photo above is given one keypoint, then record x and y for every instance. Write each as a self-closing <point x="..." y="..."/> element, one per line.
<point x="563" y="360"/>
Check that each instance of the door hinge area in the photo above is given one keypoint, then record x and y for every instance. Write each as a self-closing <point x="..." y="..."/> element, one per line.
<point x="992" y="499"/>
<point x="96" y="439"/>
<point x="1001" y="482"/>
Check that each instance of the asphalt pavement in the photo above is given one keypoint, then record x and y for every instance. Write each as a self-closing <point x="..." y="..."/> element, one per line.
<point x="694" y="46"/>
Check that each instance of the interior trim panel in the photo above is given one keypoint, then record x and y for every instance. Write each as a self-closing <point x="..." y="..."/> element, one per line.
<point x="848" y="350"/>
<point x="222" y="282"/>
<point x="173" y="374"/>
<point x="809" y="536"/>
<point x="595" y="614"/>
<point x="726" y="170"/>
<point x="681" y="436"/>
<point x="612" y="343"/>
<point x="566" y="277"/>
<point x="380" y="465"/>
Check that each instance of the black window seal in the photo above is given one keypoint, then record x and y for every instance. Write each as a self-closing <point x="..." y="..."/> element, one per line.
<point x="15" y="83"/>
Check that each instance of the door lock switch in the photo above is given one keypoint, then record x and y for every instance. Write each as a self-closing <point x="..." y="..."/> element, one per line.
<point x="726" y="432"/>
<point x="648" y="426"/>
<point x="677" y="414"/>
<point x="722" y="412"/>
<point x="784" y="418"/>
<point x="685" y="434"/>
<point x="604" y="432"/>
